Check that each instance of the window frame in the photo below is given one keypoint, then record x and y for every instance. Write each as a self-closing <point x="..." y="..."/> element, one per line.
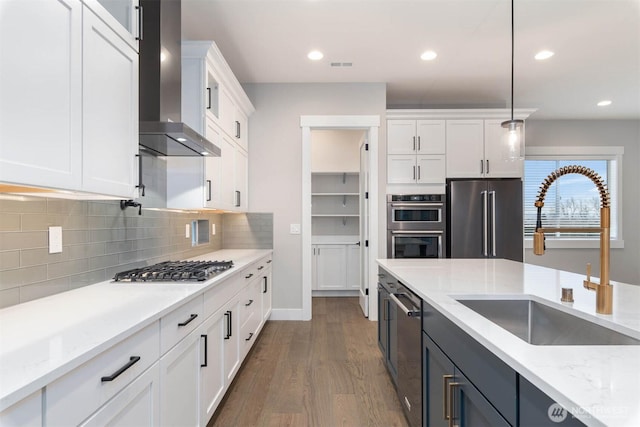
<point x="614" y="184"/>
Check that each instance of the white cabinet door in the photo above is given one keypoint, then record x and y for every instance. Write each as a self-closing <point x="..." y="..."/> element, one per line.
<point x="430" y="137"/>
<point x="431" y="169"/>
<point x="231" y="339"/>
<point x="497" y="165"/>
<point x="110" y="110"/>
<point x="401" y="169"/>
<point x="401" y="137"/>
<point x="122" y="16"/>
<point x="179" y="378"/>
<point x="241" y="170"/>
<point x="227" y="173"/>
<point x="331" y="267"/>
<point x="138" y="404"/>
<point x="41" y="93"/>
<point x="227" y="112"/>
<point x="212" y="376"/>
<point x="25" y="413"/>
<point x="465" y="148"/>
<point x="242" y="129"/>
<point x="267" y="293"/>
<point x="353" y="267"/>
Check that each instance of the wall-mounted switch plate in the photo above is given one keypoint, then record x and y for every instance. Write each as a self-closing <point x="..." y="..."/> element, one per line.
<point x="55" y="240"/>
<point x="187" y="231"/>
<point x="294" y="228"/>
<point x="213" y="229"/>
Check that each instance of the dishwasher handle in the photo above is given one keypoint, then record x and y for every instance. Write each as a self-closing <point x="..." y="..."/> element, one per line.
<point x="405" y="310"/>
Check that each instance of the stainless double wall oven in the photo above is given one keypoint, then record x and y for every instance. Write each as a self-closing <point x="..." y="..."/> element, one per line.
<point x="416" y="225"/>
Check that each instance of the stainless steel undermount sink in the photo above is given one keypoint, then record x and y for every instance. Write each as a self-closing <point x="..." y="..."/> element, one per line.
<point x="541" y="324"/>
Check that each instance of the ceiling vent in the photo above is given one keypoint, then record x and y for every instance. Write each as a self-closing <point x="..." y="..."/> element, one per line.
<point x="342" y="64"/>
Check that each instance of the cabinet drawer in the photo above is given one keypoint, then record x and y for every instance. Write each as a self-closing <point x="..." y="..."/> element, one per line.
<point x="75" y="396"/>
<point x="490" y="375"/>
<point x="179" y="323"/>
<point x="218" y="296"/>
<point x="251" y="301"/>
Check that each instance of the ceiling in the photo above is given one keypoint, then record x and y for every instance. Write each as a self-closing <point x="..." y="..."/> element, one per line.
<point x="596" y="45"/>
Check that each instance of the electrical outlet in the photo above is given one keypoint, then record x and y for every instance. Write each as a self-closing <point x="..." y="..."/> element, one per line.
<point x="294" y="228"/>
<point x="213" y="229"/>
<point x="55" y="240"/>
<point x="187" y="231"/>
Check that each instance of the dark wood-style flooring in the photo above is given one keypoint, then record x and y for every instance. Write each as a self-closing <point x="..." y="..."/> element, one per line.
<point x="326" y="372"/>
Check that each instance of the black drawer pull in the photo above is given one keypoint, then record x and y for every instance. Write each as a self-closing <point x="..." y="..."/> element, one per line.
<point x="228" y="315"/>
<point x="250" y="336"/>
<point x="264" y="289"/>
<point x="132" y="361"/>
<point x="261" y="267"/>
<point x="249" y="303"/>
<point x="189" y="320"/>
<point x="204" y="365"/>
<point x="249" y="276"/>
<point x="269" y="262"/>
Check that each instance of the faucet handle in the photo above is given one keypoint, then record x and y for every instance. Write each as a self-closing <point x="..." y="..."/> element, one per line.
<point x="587" y="283"/>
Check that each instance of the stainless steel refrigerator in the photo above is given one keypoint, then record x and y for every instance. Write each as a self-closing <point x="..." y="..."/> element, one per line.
<point x="484" y="218"/>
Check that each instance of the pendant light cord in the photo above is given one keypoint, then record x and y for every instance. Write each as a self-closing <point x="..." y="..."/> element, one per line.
<point x="512" y="55"/>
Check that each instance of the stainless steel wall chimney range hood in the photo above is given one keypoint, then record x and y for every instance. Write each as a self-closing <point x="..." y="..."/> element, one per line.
<point x="162" y="132"/>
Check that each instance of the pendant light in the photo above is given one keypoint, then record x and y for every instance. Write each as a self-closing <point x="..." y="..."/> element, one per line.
<point x="513" y="146"/>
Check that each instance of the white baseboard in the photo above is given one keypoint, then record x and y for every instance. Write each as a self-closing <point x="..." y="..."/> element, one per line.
<point x="286" y="314"/>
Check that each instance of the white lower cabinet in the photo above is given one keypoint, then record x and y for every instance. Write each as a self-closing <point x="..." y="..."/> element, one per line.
<point x="336" y="267"/>
<point x="138" y="404"/>
<point x="73" y="398"/>
<point x="179" y="379"/>
<point x="25" y="413"/>
<point x="267" y="291"/>
<point x="212" y="376"/>
<point x="231" y="342"/>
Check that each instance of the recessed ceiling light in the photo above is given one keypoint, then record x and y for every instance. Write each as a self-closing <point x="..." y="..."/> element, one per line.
<point x="315" y="55"/>
<point x="204" y="153"/>
<point x="543" y="54"/>
<point x="604" y="103"/>
<point x="428" y="55"/>
<point x="181" y="139"/>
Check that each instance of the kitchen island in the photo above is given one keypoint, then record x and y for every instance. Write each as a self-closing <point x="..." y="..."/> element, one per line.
<point x="598" y="384"/>
<point x="47" y="340"/>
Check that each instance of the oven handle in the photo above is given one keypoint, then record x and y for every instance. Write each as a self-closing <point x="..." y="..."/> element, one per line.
<point x="416" y="232"/>
<point x="401" y="306"/>
<point x="417" y="205"/>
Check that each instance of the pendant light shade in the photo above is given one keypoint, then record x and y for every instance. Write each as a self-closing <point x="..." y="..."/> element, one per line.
<point x="513" y="140"/>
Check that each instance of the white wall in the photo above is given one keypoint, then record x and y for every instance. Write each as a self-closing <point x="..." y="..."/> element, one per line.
<point x="336" y="150"/>
<point x="275" y="156"/>
<point x="625" y="263"/>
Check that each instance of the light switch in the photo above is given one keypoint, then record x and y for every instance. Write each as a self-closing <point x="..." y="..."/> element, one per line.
<point x="55" y="240"/>
<point x="213" y="229"/>
<point x="187" y="231"/>
<point x="294" y="228"/>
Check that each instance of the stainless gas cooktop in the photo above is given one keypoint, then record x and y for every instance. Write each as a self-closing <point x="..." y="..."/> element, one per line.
<point x="174" y="271"/>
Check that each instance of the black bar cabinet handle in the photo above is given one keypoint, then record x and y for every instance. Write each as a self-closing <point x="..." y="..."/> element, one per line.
<point x="208" y="98"/>
<point x="237" y="198"/>
<point x="261" y="267"/>
<point x="204" y="365"/>
<point x="132" y="361"/>
<point x="237" y="129"/>
<point x="140" y="20"/>
<point x="209" y="193"/>
<point x="269" y="262"/>
<point x="189" y="320"/>
<point x="229" y="316"/>
<point x="264" y="289"/>
<point x="248" y="276"/>
<point x="250" y="335"/>
<point x="249" y="303"/>
<point x="140" y="184"/>
<point x="481" y="166"/>
<point x="487" y="165"/>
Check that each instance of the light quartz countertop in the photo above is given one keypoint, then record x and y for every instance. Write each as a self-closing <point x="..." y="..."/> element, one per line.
<point x="600" y="385"/>
<point x="42" y="340"/>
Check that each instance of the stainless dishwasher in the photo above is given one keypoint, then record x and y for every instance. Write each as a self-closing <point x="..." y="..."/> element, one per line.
<point x="409" y="383"/>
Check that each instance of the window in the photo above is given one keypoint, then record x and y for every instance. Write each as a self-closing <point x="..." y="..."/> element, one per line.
<point x="573" y="199"/>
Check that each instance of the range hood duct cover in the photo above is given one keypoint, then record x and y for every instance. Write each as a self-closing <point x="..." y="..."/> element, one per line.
<point x="161" y="130"/>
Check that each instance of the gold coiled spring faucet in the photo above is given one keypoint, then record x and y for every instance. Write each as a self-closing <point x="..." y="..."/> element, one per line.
<point x="604" y="290"/>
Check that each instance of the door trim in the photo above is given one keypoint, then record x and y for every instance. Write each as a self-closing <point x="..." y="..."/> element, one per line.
<point x="371" y="123"/>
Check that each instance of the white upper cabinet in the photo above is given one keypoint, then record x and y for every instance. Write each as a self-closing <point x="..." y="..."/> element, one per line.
<point x="416" y="137"/>
<point x="41" y="93"/>
<point x="124" y="17"/>
<point x="75" y="75"/>
<point x="416" y="151"/>
<point x="213" y="103"/>
<point x="474" y="150"/>
<point x="110" y="110"/>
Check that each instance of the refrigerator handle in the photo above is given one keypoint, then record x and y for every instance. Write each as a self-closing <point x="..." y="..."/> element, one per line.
<point x="492" y="194"/>
<point x="484" y="223"/>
